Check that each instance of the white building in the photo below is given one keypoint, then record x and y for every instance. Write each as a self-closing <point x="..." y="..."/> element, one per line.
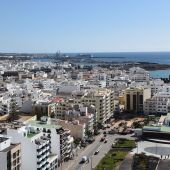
<point x="158" y="104"/>
<point x="138" y="74"/>
<point x="10" y="154"/>
<point x="36" y="148"/>
<point x="156" y="85"/>
<point x="60" y="139"/>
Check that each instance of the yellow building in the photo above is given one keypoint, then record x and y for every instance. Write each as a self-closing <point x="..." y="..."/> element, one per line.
<point x="103" y="100"/>
<point x="135" y="98"/>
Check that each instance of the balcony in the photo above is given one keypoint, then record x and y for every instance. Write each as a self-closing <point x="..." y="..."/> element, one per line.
<point x="43" y="162"/>
<point x="39" y="165"/>
<point x="48" y="165"/>
<point x="44" y="150"/>
<point x="63" y="145"/>
<point x="44" y="144"/>
<point x="44" y="156"/>
<point x="39" y="147"/>
<point x="39" y="159"/>
<point x="39" y="153"/>
<point x="68" y="150"/>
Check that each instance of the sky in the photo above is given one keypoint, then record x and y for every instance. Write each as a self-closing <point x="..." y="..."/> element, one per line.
<point x="84" y="25"/>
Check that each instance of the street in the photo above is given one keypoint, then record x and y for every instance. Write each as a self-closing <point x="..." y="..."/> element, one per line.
<point x="89" y="152"/>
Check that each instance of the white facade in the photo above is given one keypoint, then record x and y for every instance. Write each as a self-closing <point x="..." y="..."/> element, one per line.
<point x="34" y="145"/>
<point x="159" y="103"/>
<point x="138" y="74"/>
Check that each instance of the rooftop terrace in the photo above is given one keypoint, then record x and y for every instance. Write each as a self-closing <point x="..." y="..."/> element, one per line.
<point x="30" y="135"/>
<point x="43" y="125"/>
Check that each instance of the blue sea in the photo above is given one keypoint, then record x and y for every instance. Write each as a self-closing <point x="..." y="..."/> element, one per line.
<point x="153" y="57"/>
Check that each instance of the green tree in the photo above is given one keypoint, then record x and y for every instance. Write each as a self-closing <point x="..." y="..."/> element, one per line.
<point x="13" y="110"/>
<point x="89" y="133"/>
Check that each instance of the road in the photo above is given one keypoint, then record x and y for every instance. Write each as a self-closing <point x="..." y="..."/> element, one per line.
<point x="89" y="152"/>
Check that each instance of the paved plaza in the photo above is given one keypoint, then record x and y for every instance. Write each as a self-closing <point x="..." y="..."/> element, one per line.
<point x="153" y="148"/>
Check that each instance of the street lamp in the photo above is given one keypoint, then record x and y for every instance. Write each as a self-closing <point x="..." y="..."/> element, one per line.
<point x="91" y="162"/>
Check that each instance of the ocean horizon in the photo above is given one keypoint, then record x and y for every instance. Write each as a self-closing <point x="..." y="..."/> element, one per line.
<point x="152" y="57"/>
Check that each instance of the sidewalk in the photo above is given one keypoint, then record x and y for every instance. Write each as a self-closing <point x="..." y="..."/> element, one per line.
<point x="70" y="163"/>
<point x="127" y="163"/>
<point x="65" y="165"/>
<point x="163" y="165"/>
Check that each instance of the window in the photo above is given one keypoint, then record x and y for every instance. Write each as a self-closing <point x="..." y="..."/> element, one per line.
<point x="14" y="155"/>
<point x="18" y="159"/>
<point x="18" y="152"/>
<point x="14" y="163"/>
<point x="18" y="167"/>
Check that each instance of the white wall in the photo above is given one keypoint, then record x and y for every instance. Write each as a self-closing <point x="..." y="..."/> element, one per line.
<point x="4" y="144"/>
<point x="3" y="160"/>
<point x="55" y="142"/>
<point x="28" y="150"/>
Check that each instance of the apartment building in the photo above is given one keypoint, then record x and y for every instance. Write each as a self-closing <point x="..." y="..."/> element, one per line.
<point x="5" y="107"/>
<point x="61" y="140"/>
<point x="10" y="154"/>
<point x="43" y="107"/>
<point x="138" y="74"/>
<point x="36" y="148"/>
<point x="102" y="100"/>
<point x="61" y="109"/>
<point x="156" y="85"/>
<point x="135" y="98"/>
<point x="158" y="104"/>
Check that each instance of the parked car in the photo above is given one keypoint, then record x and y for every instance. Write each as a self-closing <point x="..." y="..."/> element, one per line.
<point x="111" y="131"/>
<point x="108" y="126"/>
<point x="113" y="144"/>
<point x="90" y="140"/>
<point x="84" y="144"/>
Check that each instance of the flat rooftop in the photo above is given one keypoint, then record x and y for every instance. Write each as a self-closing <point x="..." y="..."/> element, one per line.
<point x="10" y="147"/>
<point x="30" y="135"/>
<point x="23" y="118"/>
<point x="2" y="139"/>
<point x="43" y="125"/>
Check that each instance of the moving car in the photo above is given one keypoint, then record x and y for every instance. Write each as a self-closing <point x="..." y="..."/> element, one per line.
<point x="84" y="159"/>
<point x="105" y="141"/>
<point x="102" y="139"/>
<point x="96" y="152"/>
